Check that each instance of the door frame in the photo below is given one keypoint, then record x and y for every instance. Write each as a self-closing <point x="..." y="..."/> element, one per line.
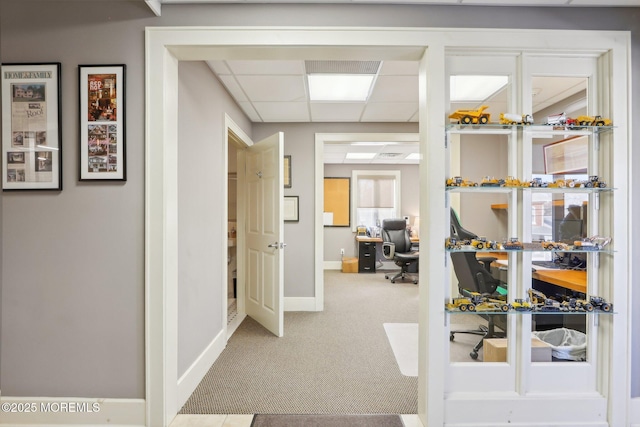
<point x="166" y="46"/>
<point x="242" y="141"/>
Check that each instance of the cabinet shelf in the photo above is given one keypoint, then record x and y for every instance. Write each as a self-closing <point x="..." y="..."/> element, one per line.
<point x="532" y="312"/>
<point x="497" y="128"/>
<point x="479" y="189"/>
<point x="531" y="249"/>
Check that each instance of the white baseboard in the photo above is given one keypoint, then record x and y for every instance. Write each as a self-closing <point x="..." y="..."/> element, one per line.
<point x="634" y="412"/>
<point x="332" y="265"/>
<point x="188" y="382"/>
<point x="71" y="411"/>
<point x="300" y="304"/>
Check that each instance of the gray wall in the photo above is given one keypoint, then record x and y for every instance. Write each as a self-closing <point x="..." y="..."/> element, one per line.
<point x="67" y="331"/>
<point x="202" y="104"/>
<point x="336" y="238"/>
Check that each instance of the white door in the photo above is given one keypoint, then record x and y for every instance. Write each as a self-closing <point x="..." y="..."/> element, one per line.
<point x="264" y="227"/>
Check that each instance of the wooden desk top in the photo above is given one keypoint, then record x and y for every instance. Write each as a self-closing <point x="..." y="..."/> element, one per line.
<point x="571" y="279"/>
<point x="575" y="280"/>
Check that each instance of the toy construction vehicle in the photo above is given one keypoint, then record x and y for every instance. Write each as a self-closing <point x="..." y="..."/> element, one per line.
<point x="594" y="243"/>
<point x="520" y="304"/>
<point x="511" y="181"/>
<point x="468" y="117"/>
<point x="464" y="303"/>
<point x="483" y="243"/>
<point x="516" y="119"/>
<point x="592" y="121"/>
<point x="550" y="245"/>
<point x="513" y="243"/>
<point x="538" y="183"/>
<point x="557" y="120"/>
<point x="458" y="181"/>
<point x="489" y="181"/>
<point x="452" y="243"/>
<point x="599" y="303"/>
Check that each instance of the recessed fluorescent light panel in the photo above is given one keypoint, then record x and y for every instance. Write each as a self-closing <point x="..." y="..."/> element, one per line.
<point x="360" y="156"/>
<point x="341" y="81"/>
<point x="339" y="87"/>
<point x="475" y="88"/>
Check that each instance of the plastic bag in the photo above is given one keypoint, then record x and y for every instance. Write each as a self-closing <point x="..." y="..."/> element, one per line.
<point x="566" y="344"/>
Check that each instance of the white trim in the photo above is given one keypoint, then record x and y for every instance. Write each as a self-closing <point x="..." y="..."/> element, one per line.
<point x="155" y="6"/>
<point x="300" y="304"/>
<point x="165" y="46"/>
<point x="199" y="368"/>
<point x="112" y="412"/>
<point x="634" y="412"/>
<point x="333" y="265"/>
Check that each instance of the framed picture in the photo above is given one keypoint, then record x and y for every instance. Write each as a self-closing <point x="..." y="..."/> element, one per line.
<point x="31" y="127"/>
<point x="291" y="210"/>
<point x="567" y="156"/>
<point x="102" y="122"/>
<point x="287" y="171"/>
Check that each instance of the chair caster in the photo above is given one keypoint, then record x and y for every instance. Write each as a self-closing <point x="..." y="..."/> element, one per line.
<point x="415" y="282"/>
<point x="386" y="276"/>
<point x="474" y="355"/>
<point x="393" y="281"/>
<point x="451" y="336"/>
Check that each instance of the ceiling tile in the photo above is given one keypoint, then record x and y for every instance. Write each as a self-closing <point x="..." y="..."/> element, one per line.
<point x="282" y="111"/>
<point x="395" y="89"/>
<point x="389" y="111"/>
<point x="234" y="88"/>
<point x="257" y="68"/>
<point x="250" y="111"/>
<point x="273" y="88"/>
<point x="335" y="112"/>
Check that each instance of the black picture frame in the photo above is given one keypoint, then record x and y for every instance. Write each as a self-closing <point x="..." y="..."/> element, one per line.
<point x="102" y="103"/>
<point x="32" y="126"/>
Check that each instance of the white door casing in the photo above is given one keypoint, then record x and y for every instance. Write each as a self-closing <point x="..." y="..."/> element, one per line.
<point x="264" y="231"/>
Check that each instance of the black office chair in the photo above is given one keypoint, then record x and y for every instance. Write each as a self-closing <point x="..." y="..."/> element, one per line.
<point x="397" y="246"/>
<point x="473" y="274"/>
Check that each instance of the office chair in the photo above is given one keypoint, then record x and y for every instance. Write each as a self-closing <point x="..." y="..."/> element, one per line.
<point x="473" y="274"/>
<point x="397" y="247"/>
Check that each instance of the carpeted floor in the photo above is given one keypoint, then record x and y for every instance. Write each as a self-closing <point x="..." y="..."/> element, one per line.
<point x="327" y="421"/>
<point x="338" y="361"/>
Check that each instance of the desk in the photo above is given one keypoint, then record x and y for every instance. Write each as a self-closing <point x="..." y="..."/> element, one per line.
<point x="574" y="280"/>
<point x="569" y="279"/>
<point x="367" y="252"/>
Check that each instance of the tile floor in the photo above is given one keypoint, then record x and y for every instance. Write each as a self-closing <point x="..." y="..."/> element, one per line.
<point x="245" y="420"/>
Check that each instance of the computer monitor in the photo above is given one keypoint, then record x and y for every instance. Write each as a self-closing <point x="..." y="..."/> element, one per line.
<point x="567" y="230"/>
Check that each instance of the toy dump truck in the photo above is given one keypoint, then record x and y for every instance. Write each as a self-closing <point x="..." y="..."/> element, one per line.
<point x="593" y="121"/>
<point x="468" y="117"/>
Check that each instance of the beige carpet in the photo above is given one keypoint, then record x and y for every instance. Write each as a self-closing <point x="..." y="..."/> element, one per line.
<point x="338" y="361"/>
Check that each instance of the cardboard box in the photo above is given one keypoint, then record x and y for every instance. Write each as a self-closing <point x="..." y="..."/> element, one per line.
<point x="349" y="265"/>
<point x="495" y="350"/>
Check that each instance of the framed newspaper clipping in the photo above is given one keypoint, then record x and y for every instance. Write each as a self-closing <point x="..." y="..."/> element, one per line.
<point x="31" y="127"/>
<point x="102" y="122"/>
